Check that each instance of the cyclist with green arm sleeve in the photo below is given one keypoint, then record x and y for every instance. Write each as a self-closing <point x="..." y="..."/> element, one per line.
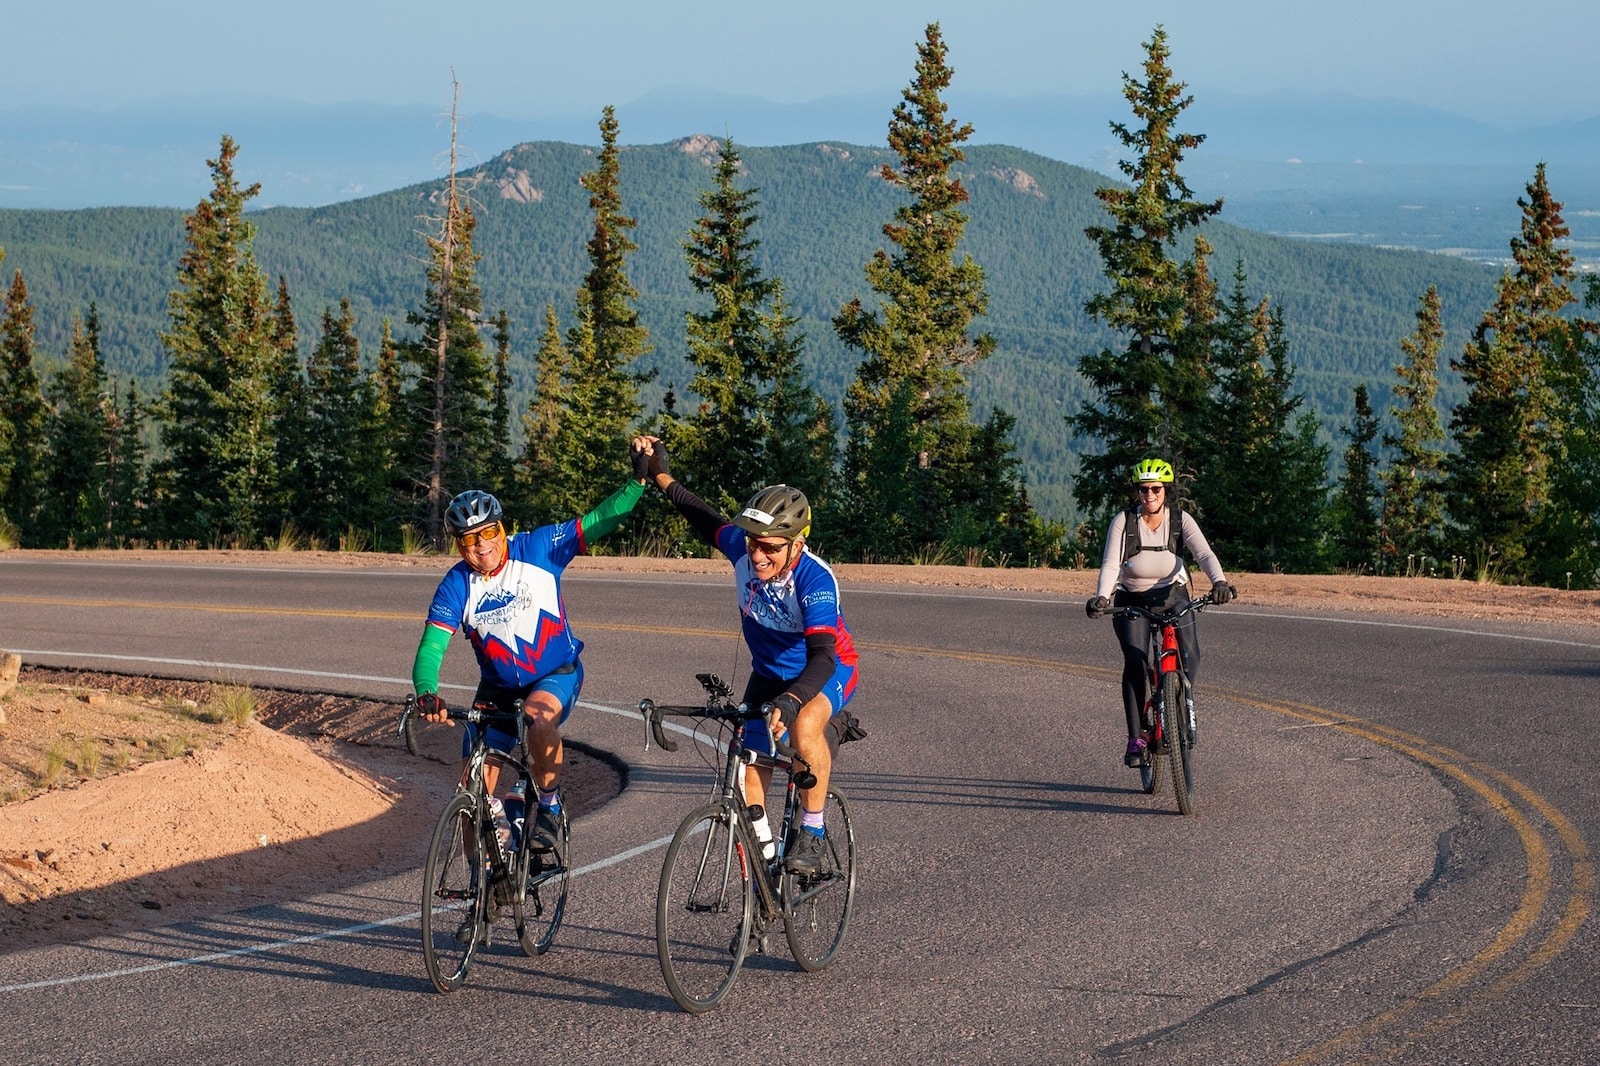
<point x="505" y="596"/>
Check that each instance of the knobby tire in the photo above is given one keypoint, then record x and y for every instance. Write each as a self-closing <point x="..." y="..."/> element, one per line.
<point x="1177" y="738"/>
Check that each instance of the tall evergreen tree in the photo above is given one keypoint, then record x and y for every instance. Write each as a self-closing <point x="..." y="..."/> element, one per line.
<point x="82" y="432"/>
<point x="444" y="410"/>
<point x="344" y="491"/>
<point x="802" y="432"/>
<point x="1508" y="430"/>
<point x="1567" y="551"/>
<point x="1263" y="495"/>
<point x="500" y="474"/>
<point x="907" y="413"/>
<point x="1412" y="521"/>
<point x="23" y="412"/>
<point x="540" y="466"/>
<point x="218" y="477"/>
<point x="1353" y="517"/>
<point x="126" y="479"/>
<point x="1140" y="389"/>
<point x="756" y="420"/>
<point x="585" y="445"/>
<point x="601" y="391"/>
<point x="293" y="424"/>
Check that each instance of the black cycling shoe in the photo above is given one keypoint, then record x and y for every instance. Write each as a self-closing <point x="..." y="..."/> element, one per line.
<point x="806" y="856"/>
<point x="546" y="829"/>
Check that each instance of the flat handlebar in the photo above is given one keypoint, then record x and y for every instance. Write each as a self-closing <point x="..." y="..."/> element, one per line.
<point x="1199" y="603"/>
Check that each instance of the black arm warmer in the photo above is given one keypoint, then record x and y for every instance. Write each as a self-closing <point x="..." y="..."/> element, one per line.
<point x="821" y="660"/>
<point x="703" y="518"/>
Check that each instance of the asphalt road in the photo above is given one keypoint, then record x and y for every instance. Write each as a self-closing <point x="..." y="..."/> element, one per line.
<point x="1391" y="859"/>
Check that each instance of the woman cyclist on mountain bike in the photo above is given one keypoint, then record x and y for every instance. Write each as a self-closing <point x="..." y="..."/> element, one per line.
<point x="803" y="661"/>
<point x="1143" y="567"/>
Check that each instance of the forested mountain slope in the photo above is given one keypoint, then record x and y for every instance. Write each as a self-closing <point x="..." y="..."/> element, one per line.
<point x="822" y="208"/>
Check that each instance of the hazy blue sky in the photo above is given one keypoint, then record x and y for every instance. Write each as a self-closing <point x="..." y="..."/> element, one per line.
<point x="1511" y="64"/>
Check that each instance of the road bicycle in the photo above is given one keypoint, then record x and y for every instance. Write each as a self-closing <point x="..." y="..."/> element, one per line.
<point x="719" y="895"/>
<point x="470" y="876"/>
<point x="1167" y="719"/>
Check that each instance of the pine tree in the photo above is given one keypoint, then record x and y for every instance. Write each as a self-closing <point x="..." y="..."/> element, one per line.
<point x="500" y="474"/>
<point x="907" y="411"/>
<point x="126" y="490"/>
<point x="1153" y="301"/>
<point x="601" y="391"/>
<point x="448" y="443"/>
<point x="539" y="468"/>
<point x="1413" y="505"/>
<point x="757" y="420"/>
<point x="293" y="426"/>
<point x="394" y="430"/>
<point x="1353" y="517"/>
<point x="1263" y="498"/>
<point x="23" y="413"/>
<point x="218" y="478"/>
<point x="1508" y="430"/>
<point x="81" y="429"/>
<point x="344" y="498"/>
<point x="1567" y="551"/>
<point x="802" y="432"/>
<point x="584" y="447"/>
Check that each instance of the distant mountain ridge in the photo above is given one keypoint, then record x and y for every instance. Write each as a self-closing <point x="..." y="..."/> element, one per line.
<point x="822" y="211"/>
<point x="311" y="155"/>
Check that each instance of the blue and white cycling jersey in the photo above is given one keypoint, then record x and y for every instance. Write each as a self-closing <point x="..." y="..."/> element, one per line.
<point x="777" y="615"/>
<point x="515" y="617"/>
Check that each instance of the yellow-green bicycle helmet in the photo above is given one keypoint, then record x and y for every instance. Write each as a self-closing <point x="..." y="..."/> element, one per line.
<point x="1153" y="471"/>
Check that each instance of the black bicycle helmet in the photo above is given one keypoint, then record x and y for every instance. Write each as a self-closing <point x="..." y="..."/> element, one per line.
<point x="776" y="511"/>
<point x="469" y="510"/>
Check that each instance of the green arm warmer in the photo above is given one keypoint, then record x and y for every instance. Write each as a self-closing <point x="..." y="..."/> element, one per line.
<point x="609" y="512"/>
<point x="430" y="655"/>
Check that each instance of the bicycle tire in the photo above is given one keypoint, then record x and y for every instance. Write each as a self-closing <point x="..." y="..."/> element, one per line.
<point x="1152" y="772"/>
<point x="1177" y="734"/>
<point x="704" y="907"/>
<point x="817" y="907"/>
<point x="540" y="899"/>
<point x="455" y="888"/>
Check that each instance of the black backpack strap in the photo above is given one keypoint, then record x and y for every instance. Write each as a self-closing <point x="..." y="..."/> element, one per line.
<point x="1131" y="542"/>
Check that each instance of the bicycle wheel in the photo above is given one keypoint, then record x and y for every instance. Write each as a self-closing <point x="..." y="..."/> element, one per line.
<point x="541" y="897"/>
<point x="1177" y="738"/>
<point x="1152" y="774"/>
<point x="455" y="895"/>
<point x="817" y="907"/>
<point x="704" y="907"/>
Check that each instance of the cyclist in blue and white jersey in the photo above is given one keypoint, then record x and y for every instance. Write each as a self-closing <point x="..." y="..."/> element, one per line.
<point x="803" y="661"/>
<point x="505" y="595"/>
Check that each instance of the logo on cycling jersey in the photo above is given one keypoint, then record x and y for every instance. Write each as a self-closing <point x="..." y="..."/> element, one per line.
<point x="816" y="596"/>
<point x="769" y="607"/>
<point x="500" y="606"/>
